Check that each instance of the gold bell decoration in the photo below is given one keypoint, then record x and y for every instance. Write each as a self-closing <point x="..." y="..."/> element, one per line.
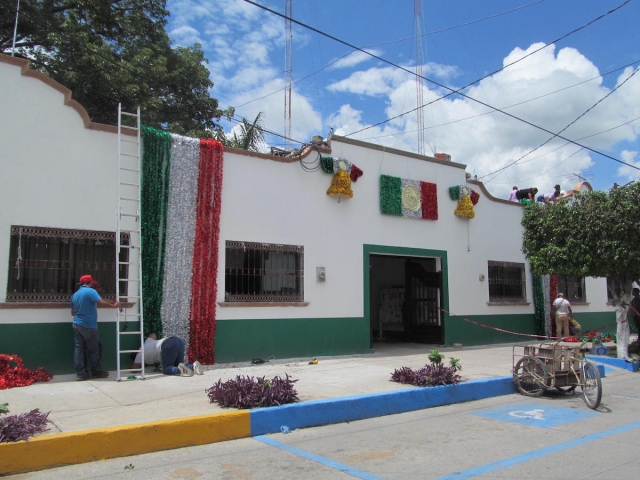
<point x="341" y="183"/>
<point x="465" y="207"/>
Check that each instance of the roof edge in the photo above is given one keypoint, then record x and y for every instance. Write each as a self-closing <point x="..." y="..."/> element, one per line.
<point x="27" y="71"/>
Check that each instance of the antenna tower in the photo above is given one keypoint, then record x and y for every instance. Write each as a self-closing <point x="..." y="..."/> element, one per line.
<point x="417" y="14"/>
<point x="288" y="68"/>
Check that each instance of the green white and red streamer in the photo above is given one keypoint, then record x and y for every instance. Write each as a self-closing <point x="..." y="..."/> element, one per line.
<point x="181" y="205"/>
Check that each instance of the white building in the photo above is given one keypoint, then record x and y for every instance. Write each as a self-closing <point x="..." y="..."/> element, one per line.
<point x="301" y="273"/>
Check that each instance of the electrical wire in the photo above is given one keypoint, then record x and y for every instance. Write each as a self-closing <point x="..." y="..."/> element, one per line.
<point x="451" y="89"/>
<point x="566" y="127"/>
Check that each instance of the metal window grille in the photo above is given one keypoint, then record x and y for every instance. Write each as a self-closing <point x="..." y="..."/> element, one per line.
<point x="263" y="272"/>
<point x="507" y="282"/>
<point x="573" y="288"/>
<point x="46" y="263"/>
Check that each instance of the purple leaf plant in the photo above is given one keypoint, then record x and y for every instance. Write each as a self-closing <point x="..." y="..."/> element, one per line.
<point x="14" y="428"/>
<point x="249" y="392"/>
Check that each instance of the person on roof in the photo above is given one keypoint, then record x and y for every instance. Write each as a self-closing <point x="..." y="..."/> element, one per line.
<point x="527" y="194"/>
<point x="512" y="195"/>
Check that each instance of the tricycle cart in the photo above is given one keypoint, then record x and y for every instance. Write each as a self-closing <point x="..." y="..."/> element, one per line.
<point x="558" y="365"/>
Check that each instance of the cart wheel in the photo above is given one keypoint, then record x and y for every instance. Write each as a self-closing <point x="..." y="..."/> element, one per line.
<point x="592" y="388"/>
<point x="530" y="374"/>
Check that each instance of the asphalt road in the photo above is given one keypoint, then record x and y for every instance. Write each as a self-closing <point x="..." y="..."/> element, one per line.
<point x="552" y="436"/>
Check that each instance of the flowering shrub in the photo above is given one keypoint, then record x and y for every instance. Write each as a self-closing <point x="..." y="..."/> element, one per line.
<point x="431" y="375"/>
<point x="250" y="392"/>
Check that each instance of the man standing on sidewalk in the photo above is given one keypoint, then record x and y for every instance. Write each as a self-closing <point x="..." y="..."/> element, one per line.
<point x="84" y="308"/>
<point x="562" y="309"/>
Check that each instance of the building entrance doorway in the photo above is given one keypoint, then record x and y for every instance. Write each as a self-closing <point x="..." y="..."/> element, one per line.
<point x="406" y="296"/>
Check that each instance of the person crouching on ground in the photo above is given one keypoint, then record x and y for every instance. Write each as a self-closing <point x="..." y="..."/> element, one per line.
<point x="169" y="353"/>
<point x="84" y="308"/>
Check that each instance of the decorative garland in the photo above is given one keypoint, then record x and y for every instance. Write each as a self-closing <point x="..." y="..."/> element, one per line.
<point x="205" y="255"/>
<point x="553" y="294"/>
<point x="538" y="304"/>
<point x="465" y="207"/>
<point x="344" y="173"/>
<point x="403" y="197"/>
<point x="155" y="191"/>
<point x="181" y="227"/>
<point x="14" y="374"/>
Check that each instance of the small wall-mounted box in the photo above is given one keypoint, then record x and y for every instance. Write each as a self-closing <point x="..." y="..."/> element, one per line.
<point x="321" y="275"/>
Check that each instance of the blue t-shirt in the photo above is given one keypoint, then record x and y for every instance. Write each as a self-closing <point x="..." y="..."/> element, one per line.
<point x="84" y="303"/>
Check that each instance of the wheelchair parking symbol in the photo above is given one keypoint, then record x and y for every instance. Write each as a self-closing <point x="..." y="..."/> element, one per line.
<point x="534" y="415"/>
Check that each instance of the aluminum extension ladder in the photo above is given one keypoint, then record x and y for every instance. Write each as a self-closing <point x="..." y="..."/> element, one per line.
<point x="128" y="245"/>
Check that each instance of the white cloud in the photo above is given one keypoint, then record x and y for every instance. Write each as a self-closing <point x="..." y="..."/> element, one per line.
<point x="627" y="172"/>
<point x="354" y="58"/>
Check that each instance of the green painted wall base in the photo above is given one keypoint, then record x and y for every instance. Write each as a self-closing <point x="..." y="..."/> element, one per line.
<point x="50" y="345"/>
<point x="243" y="340"/>
<point x="458" y="330"/>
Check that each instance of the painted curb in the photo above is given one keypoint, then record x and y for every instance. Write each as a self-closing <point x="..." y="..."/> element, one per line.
<point x="615" y="362"/>
<point x="55" y="450"/>
<point x="347" y="409"/>
<point x="60" y="449"/>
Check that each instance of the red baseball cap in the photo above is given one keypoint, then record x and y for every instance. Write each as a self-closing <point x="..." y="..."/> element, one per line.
<point x="86" y="279"/>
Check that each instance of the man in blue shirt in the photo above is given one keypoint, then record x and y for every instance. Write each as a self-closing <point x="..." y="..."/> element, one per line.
<point x="84" y="308"/>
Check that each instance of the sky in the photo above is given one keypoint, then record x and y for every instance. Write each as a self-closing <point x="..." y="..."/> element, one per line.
<point x="576" y="82"/>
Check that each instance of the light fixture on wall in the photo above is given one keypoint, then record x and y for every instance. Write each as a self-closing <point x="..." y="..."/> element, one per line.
<point x="320" y="274"/>
<point x="481" y="277"/>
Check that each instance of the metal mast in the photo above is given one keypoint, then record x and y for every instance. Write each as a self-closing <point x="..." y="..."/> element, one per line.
<point x="288" y="67"/>
<point x="417" y="14"/>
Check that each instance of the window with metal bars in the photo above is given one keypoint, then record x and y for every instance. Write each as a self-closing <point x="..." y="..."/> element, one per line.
<point x="46" y="263"/>
<point x="507" y="282"/>
<point x="263" y="272"/>
<point x="573" y="288"/>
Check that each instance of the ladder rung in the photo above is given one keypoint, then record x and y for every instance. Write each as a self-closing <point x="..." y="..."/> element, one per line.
<point x="130" y="169"/>
<point x="127" y="298"/>
<point x="129" y="230"/>
<point x="129" y="215"/>
<point x="129" y="114"/>
<point x="131" y="370"/>
<point x="129" y="333"/>
<point x="130" y="199"/>
<point x="129" y="314"/>
<point x="127" y="263"/>
<point x="129" y="155"/>
<point x="130" y="351"/>
<point x="126" y="140"/>
<point x="128" y="280"/>
<point x="130" y="184"/>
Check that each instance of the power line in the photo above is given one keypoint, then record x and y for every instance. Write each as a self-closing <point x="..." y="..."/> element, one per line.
<point x="570" y="123"/>
<point x="451" y="89"/>
<point x="394" y="41"/>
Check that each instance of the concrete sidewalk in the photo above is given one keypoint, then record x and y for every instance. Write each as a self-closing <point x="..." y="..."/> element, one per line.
<point x="104" y="418"/>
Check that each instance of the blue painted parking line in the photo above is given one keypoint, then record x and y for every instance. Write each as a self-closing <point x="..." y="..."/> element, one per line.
<point x="536" y="415"/>
<point x="317" y="458"/>
<point x="526" y="457"/>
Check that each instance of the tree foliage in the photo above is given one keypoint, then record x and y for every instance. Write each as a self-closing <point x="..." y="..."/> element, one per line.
<point x="249" y="137"/>
<point x="595" y="234"/>
<point x="115" y="51"/>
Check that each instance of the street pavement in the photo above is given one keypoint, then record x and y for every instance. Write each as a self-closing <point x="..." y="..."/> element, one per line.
<point x="81" y="406"/>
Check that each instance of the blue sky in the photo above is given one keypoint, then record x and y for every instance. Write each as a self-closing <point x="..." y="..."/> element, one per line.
<point x="463" y="41"/>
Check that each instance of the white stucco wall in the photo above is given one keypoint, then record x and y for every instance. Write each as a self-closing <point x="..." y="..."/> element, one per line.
<point x="54" y="172"/>
<point x="274" y="202"/>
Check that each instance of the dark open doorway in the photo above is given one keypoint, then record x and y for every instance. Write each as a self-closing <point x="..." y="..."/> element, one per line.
<point x="406" y="295"/>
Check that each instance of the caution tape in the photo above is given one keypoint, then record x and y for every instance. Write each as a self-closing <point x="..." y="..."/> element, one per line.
<point x="491" y="327"/>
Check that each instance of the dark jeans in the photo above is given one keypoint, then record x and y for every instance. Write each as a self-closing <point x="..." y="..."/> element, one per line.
<point x="171" y="355"/>
<point x="86" y="338"/>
